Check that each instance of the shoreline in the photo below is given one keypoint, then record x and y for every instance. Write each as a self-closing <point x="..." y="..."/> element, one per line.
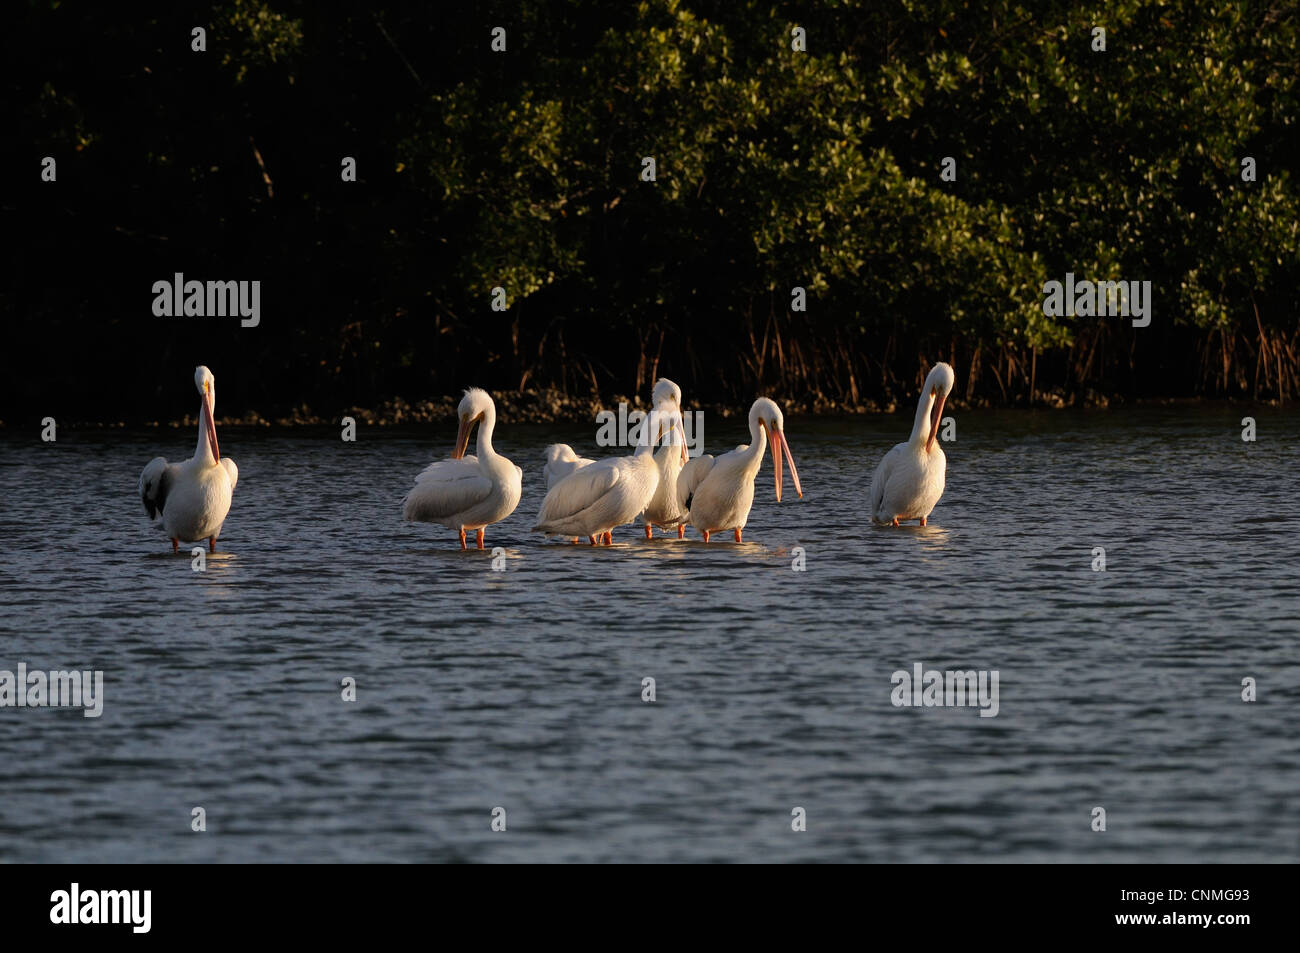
<point x="542" y="408"/>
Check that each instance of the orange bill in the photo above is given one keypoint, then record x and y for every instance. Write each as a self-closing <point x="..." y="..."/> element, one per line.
<point x="936" y="414"/>
<point x="209" y="424"/>
<point x="781" y="448"/>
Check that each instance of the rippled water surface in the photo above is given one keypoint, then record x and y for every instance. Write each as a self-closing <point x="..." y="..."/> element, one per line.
<point x="522" y="689"/>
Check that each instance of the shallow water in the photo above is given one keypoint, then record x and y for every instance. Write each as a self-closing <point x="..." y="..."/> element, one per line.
<point x="522" y="688"/>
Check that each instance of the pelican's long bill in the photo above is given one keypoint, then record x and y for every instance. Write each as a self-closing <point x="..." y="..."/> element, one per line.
<point x="936" y="414"/>
<point x="780" y="447"/>
<point x="673" y="431"/>
<point x="462" y="436"/>
<point x="205" y="411"/>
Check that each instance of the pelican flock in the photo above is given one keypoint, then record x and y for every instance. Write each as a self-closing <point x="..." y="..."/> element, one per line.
<point x="192" y="498"/>
<point x="467" y="492"/>
<point x="716" y="494"/>
<point x="584" y="497"/>
<point x="594" y="500"/>
<point x="910" y="479"/>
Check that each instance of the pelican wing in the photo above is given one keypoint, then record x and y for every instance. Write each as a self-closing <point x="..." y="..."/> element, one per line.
<point x="881" y="479"/>
<point x="578" y="491"/>
<point x="444" y="488"/>
<point x="449" y="469"/>
<point x="695" y="472"/>
<point x="155" y="482"/>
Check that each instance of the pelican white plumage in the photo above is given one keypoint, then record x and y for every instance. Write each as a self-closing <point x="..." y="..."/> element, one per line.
<point x="561" y="460"/>
<point x="718" y="493"/>
<point x="467" y="492"/>
<point x="910" y="479"/>
<point x="193" y="498"/>
<point x="608" y="493"/>
<point x="663" y="510"/>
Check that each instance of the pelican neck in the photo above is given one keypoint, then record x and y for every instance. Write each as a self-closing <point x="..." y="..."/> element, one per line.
<point x="921" y="426"/>
<point x="203" y="452"/>
<point x="757" y="442"/>
<point x="484" y="444"/>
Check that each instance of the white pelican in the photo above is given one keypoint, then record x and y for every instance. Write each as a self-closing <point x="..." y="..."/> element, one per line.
<point x="193" y="497"/>
<point x="909" y="480"/>
<point x="717" y="494"/>
<point x="467" y="492"/>
<point x="610" y="492"/>
<point x="664" y="510"/>
<point x="561" y="460"/>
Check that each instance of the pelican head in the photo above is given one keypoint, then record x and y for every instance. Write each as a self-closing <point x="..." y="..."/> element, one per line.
<point x="666" y="390"/>
<point x="767" y="415"/>
<point x="938" y="385"/>
<point x="557" y="452"/>
<point x="206" y="385"/>
<point x="666" y="399"/>
<point x="474" y="406"/>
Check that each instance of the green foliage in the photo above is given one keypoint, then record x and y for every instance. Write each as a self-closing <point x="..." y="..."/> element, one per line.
<point x="775" y="169"/>
<point x="251" y="35"/>
<point x="821" y="168"/>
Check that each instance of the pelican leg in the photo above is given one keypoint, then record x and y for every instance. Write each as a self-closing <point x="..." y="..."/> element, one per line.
<point x="895" y="522"/>
<point x="609" y="538"/>
<point x="681" y="531"/>
<point x="706" y="534"/>
<point x="176" y="544"/>
<point x="478" y="537"/>
<point x="649" y="533"/>
<point x="462" y="538"/>
<point x="212" y="544"/>
<point x="738" y="539"/>
<point x="923" y="519"/>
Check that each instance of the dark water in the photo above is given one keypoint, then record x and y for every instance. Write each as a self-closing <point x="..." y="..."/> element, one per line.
<point x="522" y="688"/>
